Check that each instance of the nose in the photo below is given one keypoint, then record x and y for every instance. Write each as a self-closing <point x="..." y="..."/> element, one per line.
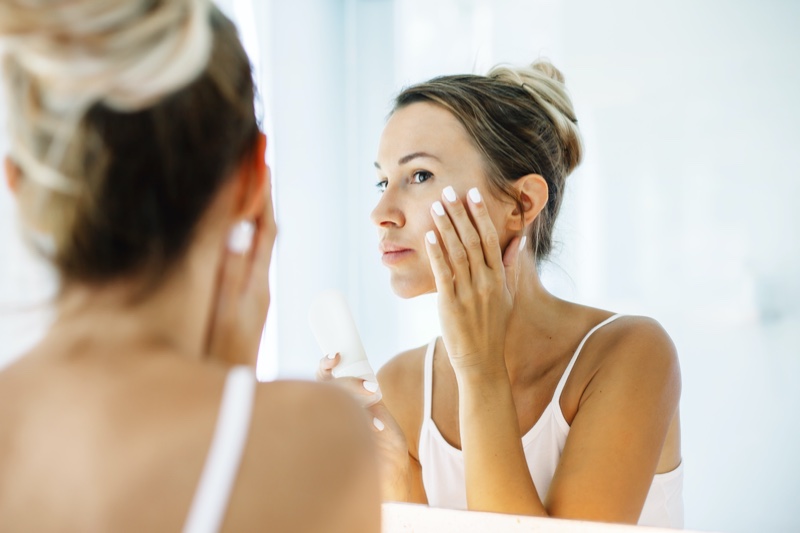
<point x="388" y="212"/>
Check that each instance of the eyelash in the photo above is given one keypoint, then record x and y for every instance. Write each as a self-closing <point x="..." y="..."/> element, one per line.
<point x="381" y="185"/>
<point x="425" y="172"/>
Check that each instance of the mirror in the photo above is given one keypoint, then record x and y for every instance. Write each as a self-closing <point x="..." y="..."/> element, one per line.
<point x="683" y="209"/>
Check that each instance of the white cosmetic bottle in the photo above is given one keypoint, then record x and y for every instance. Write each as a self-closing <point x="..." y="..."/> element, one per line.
<point x="335" y="330"/>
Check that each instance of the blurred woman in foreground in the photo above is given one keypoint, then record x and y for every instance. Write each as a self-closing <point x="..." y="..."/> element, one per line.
<point x="139" y="171"/>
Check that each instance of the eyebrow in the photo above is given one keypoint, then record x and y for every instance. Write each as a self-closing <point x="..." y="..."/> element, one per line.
<point x="405" y="159"/>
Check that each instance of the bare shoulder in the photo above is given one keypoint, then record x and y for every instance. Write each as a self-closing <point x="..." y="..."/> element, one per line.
<point x="403" y="370"/>
<point x="638" y="341"/>
<point x="635" y="350"/>
<point x="622" y="408"/>
<point x="310" y="447"/>
<point x="401" y="381"/>
<point x="315" y="418"/>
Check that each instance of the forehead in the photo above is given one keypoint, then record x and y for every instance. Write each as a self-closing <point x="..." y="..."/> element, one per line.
<point x="425" y="127"/>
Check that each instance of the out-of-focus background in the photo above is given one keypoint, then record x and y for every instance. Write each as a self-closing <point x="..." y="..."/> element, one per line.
<point x="684" y="208"/>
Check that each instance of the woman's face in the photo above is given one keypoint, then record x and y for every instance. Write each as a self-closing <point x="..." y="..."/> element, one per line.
<point x="423" y="149"/>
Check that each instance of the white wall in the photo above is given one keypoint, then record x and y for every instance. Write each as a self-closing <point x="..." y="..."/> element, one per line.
<point x="693" y="114"/>
<point x="333" y="77"/>
<point x="683" y="209"/>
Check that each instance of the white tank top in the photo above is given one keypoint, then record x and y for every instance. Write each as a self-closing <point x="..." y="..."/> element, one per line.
<point x="225" y="453"/>
<point x="443" y="465"/>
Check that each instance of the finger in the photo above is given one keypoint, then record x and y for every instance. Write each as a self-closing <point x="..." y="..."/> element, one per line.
<point x="230" y="280"/>
<point x="267" y="218"/>
<point x="373" y="388"/>
<point x="326" y="366"/>
<point x="465" y="228"/>
<point x="381" y="413"/>
<point x="236" y="260"/>
<point x="379" y="410"/>
<point x="451" y="243"/>
<point x="242" y="291"/>
<point x="264" y="241"/>
<point x="488" y="234"/>
<point x="367" y="393"/>
<point x="511" y="260"/>
<point x="442" y="275"/>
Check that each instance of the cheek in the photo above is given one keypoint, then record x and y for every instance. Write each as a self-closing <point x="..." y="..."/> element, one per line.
<point x="423" y="223"/>
<point x="419" y="222"/>
<point x="499" y="213"/>
<point x="415" y="278"/>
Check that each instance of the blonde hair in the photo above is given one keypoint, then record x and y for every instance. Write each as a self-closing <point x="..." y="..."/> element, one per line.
<point x="103" y="99"/>
<point x="522" y="120"/>
<point x="61" y="58"/>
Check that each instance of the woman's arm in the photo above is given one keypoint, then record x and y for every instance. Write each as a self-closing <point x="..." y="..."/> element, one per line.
<point x="620" y="426"/>
<point x="476" y="286"/>
<point x="395" y="421"/>
<point x="496" y="471"/>
<point x="401" y="381"/>
<point x="630" y="401"/>
<point x="615" y="439"/>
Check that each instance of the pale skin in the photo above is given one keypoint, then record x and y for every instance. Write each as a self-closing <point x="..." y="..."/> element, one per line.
<point x="506" y="342"/>
<point x="107" y="422"/>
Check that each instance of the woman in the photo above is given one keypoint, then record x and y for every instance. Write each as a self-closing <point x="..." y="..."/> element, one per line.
<point x="527" y="404"/>
<point x="139" y="171"/>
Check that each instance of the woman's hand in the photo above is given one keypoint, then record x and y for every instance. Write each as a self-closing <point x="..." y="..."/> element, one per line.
<point x="389" y="437"/>
<point x="243" y="295"/>
<point x="477" y="286"/>
<point x="364" y="391"/>
<point x="475" y="281"/>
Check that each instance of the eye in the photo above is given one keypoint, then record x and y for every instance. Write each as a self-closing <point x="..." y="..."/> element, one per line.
<point x="381" y="185"/>
<point x="421" y="176"/>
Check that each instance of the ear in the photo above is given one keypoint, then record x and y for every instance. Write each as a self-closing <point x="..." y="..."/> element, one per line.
<point x="251" y="178"/>
<point x="532" y="192"/>
<point x="12" y="175"/>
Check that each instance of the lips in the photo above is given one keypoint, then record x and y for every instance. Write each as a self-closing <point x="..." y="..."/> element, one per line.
<point x="394" y="253"/>
<point x="388" y="247"/>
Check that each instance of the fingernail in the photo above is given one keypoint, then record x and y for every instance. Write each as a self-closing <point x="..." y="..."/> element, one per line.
<point x="475" y="195"/>
<point x="431" y="236"/>
<point x="331" y="356"/>
<point x="378" y="424"/>
<point x="450" y="194"/>
<point x="522" y="242"/>
<point x="371" y="386"/>
<point x="438" y="208"/>
<point x="240" y="238"/>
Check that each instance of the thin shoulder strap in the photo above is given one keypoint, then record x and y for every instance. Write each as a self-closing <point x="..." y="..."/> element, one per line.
<point x="428" y="381"/>
<point x="567" y="372"/>
<point x="225" y="454"/>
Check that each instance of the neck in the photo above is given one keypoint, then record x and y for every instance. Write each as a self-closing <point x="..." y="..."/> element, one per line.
<point x="173" y="316"/>
<point x="535" y="322"/>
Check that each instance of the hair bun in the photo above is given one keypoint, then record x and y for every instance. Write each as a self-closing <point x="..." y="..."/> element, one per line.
<point x="126" y="54"/>
<point x="545" y="84"/>
<point x="61" y="57"/>
<point x="548" y="69"/>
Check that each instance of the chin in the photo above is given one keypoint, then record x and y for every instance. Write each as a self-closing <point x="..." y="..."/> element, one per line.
<point x="411" y="287"/>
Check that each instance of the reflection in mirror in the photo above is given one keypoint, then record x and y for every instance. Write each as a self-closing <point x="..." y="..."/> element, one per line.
<point x="529" y="403"/>
<point x="681" y="209"/>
